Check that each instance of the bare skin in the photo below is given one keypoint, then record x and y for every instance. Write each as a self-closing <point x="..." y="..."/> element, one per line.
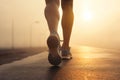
<point x="52" y="17"/>
<point x="67" y="21"/>
<point x="52" y="14"/>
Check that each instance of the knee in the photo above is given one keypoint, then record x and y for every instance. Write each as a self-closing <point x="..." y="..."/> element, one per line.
<point x="52" y="9"/>
<point x="67" y="5"/>
<point x="56" y="2"/>
<point x="52" y="6"/>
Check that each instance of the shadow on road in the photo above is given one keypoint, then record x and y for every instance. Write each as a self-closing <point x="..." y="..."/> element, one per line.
<point x="54" y="71"/>
<point x="8" y="56"/>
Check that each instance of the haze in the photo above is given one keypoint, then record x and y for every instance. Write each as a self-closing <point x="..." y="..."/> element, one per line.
<point x="22" y="23"/>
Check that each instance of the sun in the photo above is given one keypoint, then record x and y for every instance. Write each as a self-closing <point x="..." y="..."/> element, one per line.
<point x="87" y="16"/>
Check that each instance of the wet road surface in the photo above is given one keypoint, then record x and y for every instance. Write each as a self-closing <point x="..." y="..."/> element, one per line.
<point x="88" y="63"/>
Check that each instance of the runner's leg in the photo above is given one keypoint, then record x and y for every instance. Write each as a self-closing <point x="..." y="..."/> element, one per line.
<point x="67" y="21"/>
<point x="52" y="14"/>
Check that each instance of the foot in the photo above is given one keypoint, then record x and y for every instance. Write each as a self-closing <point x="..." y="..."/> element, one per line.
<point x="53" y="43"/>
<point x="66" y="54"/>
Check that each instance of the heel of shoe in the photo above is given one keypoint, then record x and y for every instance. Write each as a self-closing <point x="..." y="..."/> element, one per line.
<point x="53" y="42"/>
<point x="54" y="60"/>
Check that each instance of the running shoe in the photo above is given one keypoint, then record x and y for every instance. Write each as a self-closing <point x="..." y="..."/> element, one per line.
<point x="66" y="54"/>
<point x="53" y="43"/>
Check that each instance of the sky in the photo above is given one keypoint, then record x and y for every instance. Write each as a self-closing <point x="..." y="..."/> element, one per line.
<point x="96" y="23"/>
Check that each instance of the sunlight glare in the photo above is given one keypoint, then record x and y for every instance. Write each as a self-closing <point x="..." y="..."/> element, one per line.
<point x="87" y="52"/>
<point x="87" y="16"/>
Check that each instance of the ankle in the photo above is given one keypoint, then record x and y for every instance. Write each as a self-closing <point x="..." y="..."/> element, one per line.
<point x="65" y="47"/>
<point x="53" y="32"/>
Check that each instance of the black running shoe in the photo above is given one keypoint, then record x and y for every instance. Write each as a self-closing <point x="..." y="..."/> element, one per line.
<point x="53" y="43"/>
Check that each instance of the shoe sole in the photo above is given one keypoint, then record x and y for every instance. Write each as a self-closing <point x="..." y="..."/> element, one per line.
<point x="53" y="45"/>
<point x="66" y="58"/>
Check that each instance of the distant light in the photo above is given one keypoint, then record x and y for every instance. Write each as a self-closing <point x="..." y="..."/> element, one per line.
<point x="87" y="16"/>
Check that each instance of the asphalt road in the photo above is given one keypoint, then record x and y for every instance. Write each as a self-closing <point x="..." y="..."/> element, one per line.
<point x="88" y="63"/>
<point x="10" y="55"/>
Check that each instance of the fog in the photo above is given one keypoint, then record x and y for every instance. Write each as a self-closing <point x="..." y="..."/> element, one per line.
<point x="22" y="23"/>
